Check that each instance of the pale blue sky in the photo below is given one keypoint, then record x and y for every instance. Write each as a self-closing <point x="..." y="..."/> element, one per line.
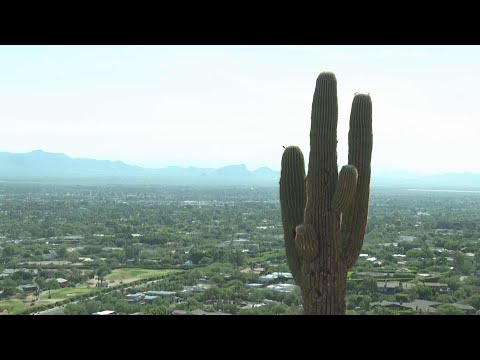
<point x="211" y="106"/>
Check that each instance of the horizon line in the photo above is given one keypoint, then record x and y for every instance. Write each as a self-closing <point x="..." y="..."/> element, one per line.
<point x="379" y="172"/>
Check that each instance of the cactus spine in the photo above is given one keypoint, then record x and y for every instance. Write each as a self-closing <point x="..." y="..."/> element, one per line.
<point x="324" y="214"/>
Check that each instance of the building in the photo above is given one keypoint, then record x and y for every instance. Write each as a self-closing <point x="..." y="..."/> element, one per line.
<point x="160" y="293"/>
<point x="423" y="306"/>
<point x="392" y="287"/>
<point x="149" y="298"/>
<point x="198" y="312"/>
<point x="469" y="310"/>
<point x="254" y="285"/>
<point x="267" y="278"/>
<point x="135" y="297"/>
<point x="104" y="312"/>
<point x="62" y="282"/>
<point x="371" y="274"/>
<point x="285" y="288"/>
<point x="275" y="277"/>
<point x="283" y="276"/>
<point x="437" y="286"/>
<point x="27" y="288"/>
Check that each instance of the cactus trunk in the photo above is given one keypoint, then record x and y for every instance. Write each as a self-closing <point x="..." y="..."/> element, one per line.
<point x="324" y="292"/>
<point x="324" y="215"/>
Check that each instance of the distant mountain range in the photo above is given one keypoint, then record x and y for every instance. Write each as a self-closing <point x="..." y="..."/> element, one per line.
<point x="41" y="166"/>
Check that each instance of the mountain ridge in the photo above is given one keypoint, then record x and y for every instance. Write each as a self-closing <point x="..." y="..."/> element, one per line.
<point x="39" y="164"/>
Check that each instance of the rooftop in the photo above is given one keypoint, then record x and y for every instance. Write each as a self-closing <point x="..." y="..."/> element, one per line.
<point x="104" y="312"/>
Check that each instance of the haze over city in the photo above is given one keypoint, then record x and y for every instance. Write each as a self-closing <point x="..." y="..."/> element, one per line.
<point x="211" y="106"/>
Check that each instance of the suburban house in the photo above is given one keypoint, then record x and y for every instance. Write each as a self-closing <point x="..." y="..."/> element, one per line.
<point x="104" y="312"/>
<point x="275" y="277"/>
<point x="421" y="306"/>
<point x="283" y="276"/>
<point x="285" y="288"/>
<point x="8" y="272"/>
<point x="27" y="288"/>
<point x="417" y="305"/>
<point x="135" y="297"/>
<point x="250" y="305"/>
<point x="392" y="287"/>
<point x="160" y="293"/>
<point x="62" y="282"/>
<point x="392" y="305"/>
<point x="149" y="298"/>
<point x="437" y="286"/>
<point x="370" y="274"/>
<point x="254" y="285"/>
<point x="197" y="312"/>
<point x="195" y="288"/>
<point x="469" y="310"/>
<point x="267" y="278"/>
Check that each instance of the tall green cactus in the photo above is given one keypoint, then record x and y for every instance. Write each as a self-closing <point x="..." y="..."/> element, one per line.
<point x="324" y="214"/>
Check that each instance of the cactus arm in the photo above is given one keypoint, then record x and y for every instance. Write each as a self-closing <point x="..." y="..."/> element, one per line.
<point x="306" y="242"/>
<point x="292" y="201"/>
<point x="360" y="141"/>
<point x="322" y="163"/>
<point x="346" y="188"/>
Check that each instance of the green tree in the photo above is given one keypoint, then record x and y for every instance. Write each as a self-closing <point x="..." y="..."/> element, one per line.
<point x="51" y="284"/>
<point x="474" y="301"/>
<point x="73" y="256"/>
<point x="8" y="252"/>
<point x="423" y="292"/>
<point x="278" y="309"/>
<point x="75" y="309"/>
<point x="368" y="285"/>
<point x="101" y="272"/>
<point x="41" y="282"/>
<point x="401" y="297"/>
<point x="231" y="308"/>
<point x="237" y="258"/>
<point x="415" y="253"/>
<point x="364" y="302"/>
<point x="157" y="310"/>
<point x="206" y="261"/>
<point x="447" y="309"/>
<point x="62" y="251"/>
<point x="380" y="310"/>
<point x="93" y="306"/>
<point x="50" y="232"/>
<point x="122" y="307"/>
<point x="132" y="252"/>
<point x="445" y="298"/>
<point x="193" y="304"/>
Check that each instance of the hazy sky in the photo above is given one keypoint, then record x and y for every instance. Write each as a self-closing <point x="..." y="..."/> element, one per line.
<point x="211" y="106"/>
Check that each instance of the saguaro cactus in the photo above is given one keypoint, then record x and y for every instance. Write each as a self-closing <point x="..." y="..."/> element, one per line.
<point x="324" y="214"/>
